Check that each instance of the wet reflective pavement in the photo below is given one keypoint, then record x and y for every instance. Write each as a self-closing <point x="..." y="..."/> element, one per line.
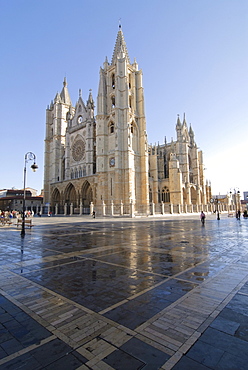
<point x="152" y="293"/>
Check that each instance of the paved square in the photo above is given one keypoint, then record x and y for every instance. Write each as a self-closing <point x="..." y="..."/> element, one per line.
<point x="152" y="293"/>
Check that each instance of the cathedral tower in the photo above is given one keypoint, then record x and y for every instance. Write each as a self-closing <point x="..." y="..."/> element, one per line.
<point x="56" y="124"/>
<point x="121" y="139"/>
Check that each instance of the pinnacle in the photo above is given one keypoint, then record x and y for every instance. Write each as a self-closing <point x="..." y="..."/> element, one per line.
<point x="120" y="47"/>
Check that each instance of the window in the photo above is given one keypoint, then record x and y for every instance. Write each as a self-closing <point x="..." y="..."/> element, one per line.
<point x="113" y="101"/>
<point x="113" y="80"/>
<point x="111" y="128"/>
<point x="165" y="195"/>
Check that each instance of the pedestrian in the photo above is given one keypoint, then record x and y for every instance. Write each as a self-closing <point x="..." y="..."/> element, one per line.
<point x="202" y="217"/>
<point x="94" y="214"/>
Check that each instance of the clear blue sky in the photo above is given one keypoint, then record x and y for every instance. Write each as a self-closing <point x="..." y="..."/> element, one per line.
<point x="194" y="57"/>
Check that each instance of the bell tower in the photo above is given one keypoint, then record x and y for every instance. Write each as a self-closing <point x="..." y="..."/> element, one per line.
<point x="121" y="138"/>
<point x="56" y="124"/>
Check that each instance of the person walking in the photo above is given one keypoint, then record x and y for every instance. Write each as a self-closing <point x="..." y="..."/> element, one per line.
<point x="202" y="217"/>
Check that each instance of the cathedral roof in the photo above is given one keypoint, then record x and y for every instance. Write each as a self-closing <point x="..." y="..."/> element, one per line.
<point x="120" y="47"/>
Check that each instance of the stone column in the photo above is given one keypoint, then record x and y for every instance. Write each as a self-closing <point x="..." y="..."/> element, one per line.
<point x="112" y="208"/>
<point x="131" y="208"/>
<point x="162" y="208"/>
<point x="65" y="209"/>
<point x="81" y="208"/>
<point x="153" y="209"/>
<point x="56" y="209"/>
<point x="121" y="210"/>
<point x="91" y="207"/>
<point x="171" y="208"/>
<point x="71" y="209"/>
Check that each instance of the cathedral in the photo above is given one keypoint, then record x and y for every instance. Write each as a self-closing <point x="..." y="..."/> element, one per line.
<point x="102" y="161"/>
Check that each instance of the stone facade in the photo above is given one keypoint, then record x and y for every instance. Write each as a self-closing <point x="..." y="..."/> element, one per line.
<point x="104" y="162"/>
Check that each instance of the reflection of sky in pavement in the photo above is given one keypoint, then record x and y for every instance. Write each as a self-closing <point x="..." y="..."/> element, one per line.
<point x="101" y="264"/>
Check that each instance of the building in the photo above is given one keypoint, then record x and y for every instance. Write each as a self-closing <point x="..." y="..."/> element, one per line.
<point x="12" y="200"/>
<point x="104" y="162"/>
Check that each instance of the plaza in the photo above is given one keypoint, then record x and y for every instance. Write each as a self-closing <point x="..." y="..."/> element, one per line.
<point x="125" y="293"/>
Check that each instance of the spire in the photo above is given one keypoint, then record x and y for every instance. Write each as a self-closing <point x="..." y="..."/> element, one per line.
<point x="65" y="97"/>
<point x="90" y="101"/>
<point x="184" y="120"/>
<point x="191" y="135"/>
<point x="120" y="47"/>
<point x="57" y="98"/>
<point x="178" y="126"/>
<point x="191" y="132"/>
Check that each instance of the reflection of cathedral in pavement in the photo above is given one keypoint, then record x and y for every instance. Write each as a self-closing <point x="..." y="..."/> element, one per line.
<point x="104" y="161"/>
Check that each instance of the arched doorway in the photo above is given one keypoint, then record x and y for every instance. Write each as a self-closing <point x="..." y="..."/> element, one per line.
<point x="56" y="199"/>
<point x="193" y="195"/>
<point x="70" y="197"/>
<point x="86" y="196"/>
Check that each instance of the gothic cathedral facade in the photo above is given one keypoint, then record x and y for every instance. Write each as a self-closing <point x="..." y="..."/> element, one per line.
<point x="103" y="161"/>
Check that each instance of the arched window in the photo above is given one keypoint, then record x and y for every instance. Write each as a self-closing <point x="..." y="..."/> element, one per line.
<point x="130" y="102"/>
<point x="111" y="128"/>
<point x="190" y="162"/>
<point x="76" y="173"/>
<point x="84" y="170"/>
<point x="165" y="195"/>
<point x="80" y="173"/>
<point x="129" y="81"/>
<point x="113" y="101"/>
<point x="113" y="80"/>
<point x="72" y="174"/>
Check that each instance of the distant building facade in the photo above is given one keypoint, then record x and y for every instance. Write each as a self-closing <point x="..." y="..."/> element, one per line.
<point x="104" y="162"/>
<point x="12" y="200"/>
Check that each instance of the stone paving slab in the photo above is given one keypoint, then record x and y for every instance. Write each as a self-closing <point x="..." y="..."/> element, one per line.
<point x="78" y="293"/>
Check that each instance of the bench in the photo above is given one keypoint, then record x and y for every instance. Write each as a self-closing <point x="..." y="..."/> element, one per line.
<point x="27" y="222"/>
<point x="5" y="221"/>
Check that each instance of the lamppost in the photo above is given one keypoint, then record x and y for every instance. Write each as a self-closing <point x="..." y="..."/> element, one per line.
<point x="215" y="201"/>
<point x="28" y="157"/>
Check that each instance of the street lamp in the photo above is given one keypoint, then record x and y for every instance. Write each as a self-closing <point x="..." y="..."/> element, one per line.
<point x="216" y="203"/>
<point x="28" y="157"/>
